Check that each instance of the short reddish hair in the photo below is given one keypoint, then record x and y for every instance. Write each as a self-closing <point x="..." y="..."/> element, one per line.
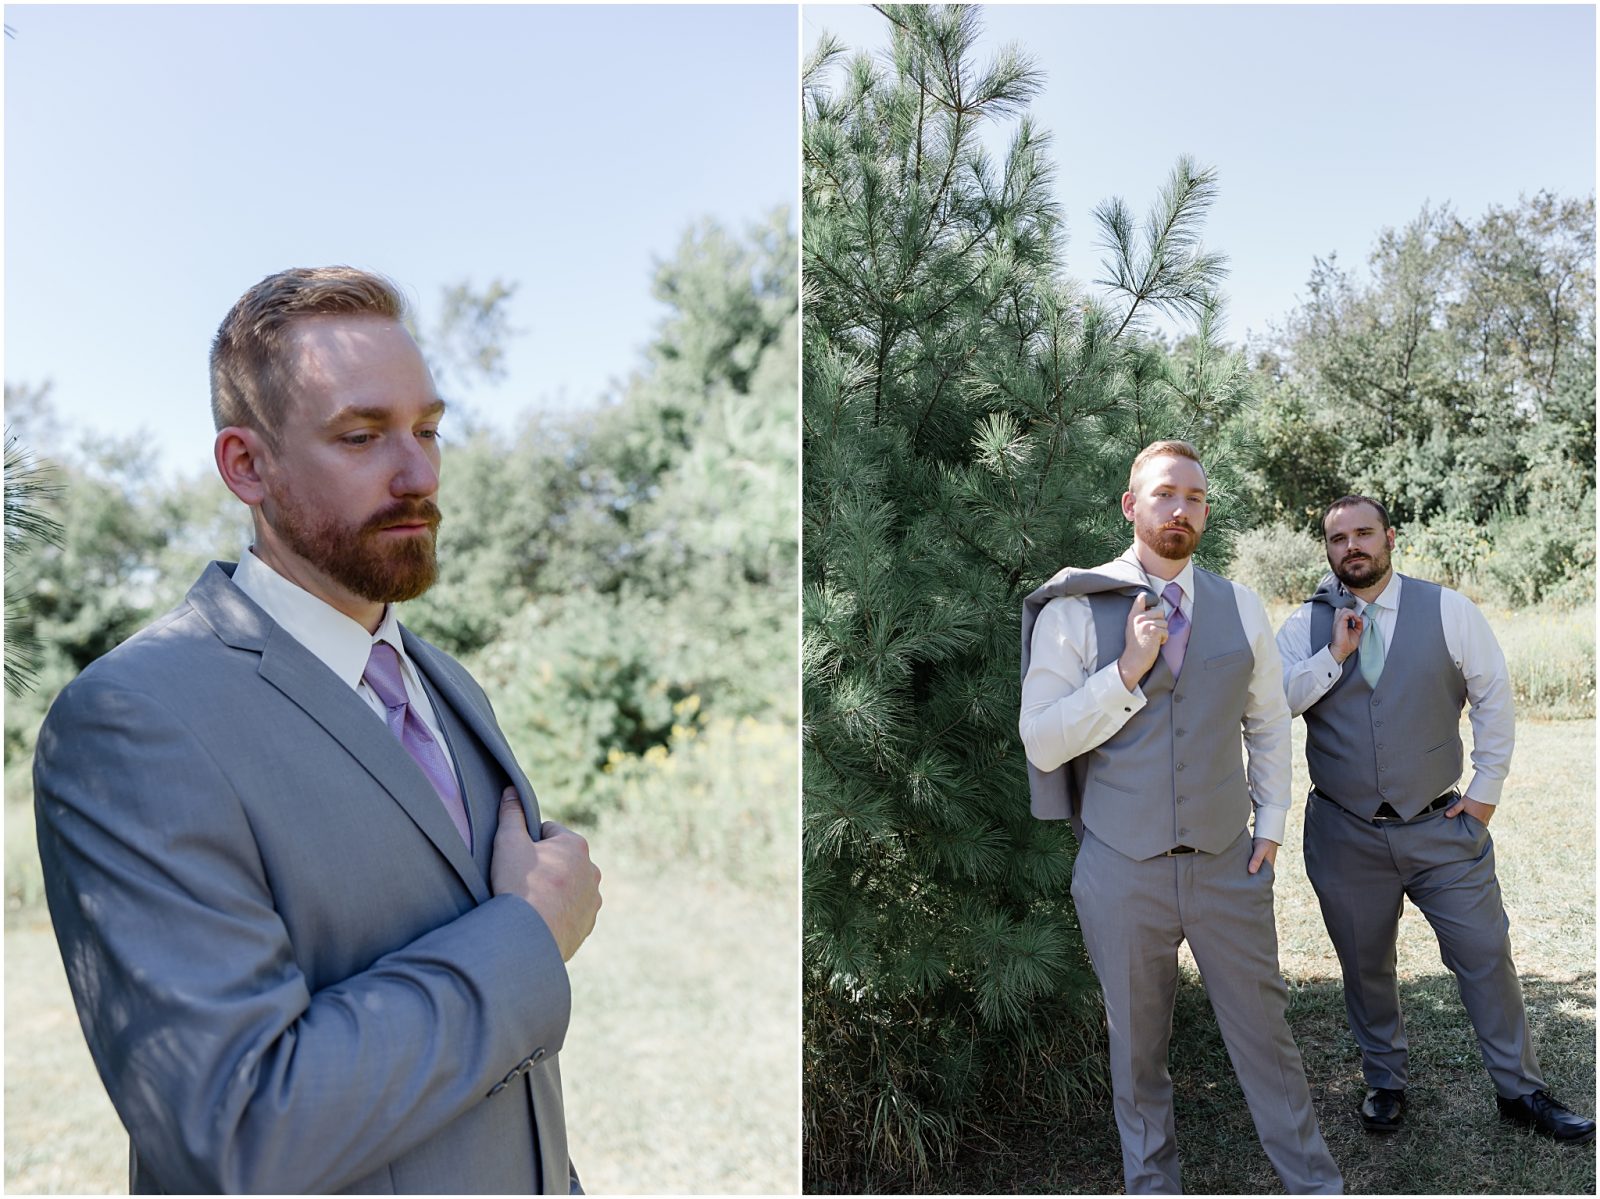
<point x="249" y="383"/>
<point x="1164" y="449"/>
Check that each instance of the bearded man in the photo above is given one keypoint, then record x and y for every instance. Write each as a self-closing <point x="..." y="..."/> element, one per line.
<point x="1380" y="665"/>
<point x="314" y="927"/>
<point x="1141" y="678"/>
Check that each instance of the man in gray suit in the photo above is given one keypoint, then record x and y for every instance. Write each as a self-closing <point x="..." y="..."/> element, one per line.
<point x="314" y="927"/>
<point x="1140" y="677"/>
<point x="1380" y="665"/>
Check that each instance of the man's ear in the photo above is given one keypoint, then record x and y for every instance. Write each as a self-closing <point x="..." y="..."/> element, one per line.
<point x="1127" y="504"/>
<point x="241" y="453"/>
<point x="1390" y="537"/>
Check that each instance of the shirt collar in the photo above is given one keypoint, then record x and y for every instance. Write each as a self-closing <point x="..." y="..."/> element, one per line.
<point x="1389" y="597"/>
<point x="341" y="644"/>
<point x="1184" y="578"/>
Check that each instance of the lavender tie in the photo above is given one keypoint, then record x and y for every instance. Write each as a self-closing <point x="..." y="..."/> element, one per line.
<point x="1177" y="630"/>
<point x="383" y="676"/>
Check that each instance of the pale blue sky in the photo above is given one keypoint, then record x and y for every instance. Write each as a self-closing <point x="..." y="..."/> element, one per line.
<point x="1326" y="122"/>
<point x="160" y="160"/>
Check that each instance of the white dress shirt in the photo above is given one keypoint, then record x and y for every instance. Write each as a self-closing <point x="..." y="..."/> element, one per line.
<point x="1469" y="640"/>
<point x="341" y="644"/>
<point x="1072" y="703"/>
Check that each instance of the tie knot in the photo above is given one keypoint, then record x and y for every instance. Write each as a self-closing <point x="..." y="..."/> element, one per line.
<point x="383" y="675"/>
<point x="1173" y="595"/>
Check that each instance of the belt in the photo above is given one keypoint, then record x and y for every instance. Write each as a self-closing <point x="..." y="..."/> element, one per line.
<point x="1381" y="818"/>
<point x="1177" y="849"/>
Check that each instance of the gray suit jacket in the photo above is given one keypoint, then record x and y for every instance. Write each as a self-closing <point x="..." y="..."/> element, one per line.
<point x="1053" y="794"/>
<point x="289" y="967"/>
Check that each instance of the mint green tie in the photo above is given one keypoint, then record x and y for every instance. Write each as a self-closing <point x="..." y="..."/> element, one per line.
<point x="1371" y="647"/>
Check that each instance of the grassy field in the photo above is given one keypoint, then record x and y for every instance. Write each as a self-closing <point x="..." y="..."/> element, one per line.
<point x="681" y="1067"/>
<point x="1452" y="1142"/>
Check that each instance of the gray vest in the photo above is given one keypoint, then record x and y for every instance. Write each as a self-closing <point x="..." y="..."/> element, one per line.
<point x="1174" y="774"/>
<point x="1400" y="742"/>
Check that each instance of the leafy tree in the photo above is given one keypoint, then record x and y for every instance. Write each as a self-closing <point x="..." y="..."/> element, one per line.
<point x="466" y="341"/>
<point x="617" y="573"/>
<point x="102" y="579"/>
<point x="1456" y="381"/>
<point x="968" y="422"/>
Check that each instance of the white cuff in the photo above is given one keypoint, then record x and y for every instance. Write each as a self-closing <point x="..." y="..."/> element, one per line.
<point x="1110" y="696"/>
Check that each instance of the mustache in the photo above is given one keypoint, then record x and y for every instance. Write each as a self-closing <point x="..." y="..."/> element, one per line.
<point x="1176" y="526"/>
<point x="405" y="512"/>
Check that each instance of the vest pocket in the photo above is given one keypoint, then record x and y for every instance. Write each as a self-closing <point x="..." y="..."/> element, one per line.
<point x="1227" y="659"/>
<point x="1233" y="779"/>
<point x="1099" y="780"/>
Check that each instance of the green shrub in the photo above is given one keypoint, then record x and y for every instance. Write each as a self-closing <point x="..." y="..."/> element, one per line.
<point x="1535" y="559"/>
<point x="1278" y="563"/>
<point x="1445" y="550"/>
<point x="721" y="796"/>
<point x="24" y="878"/>
<point x="576" y="682"/>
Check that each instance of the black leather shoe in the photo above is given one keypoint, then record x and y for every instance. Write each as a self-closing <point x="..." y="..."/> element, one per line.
<point x="1382" y="1108"/>
<point x="1547" y="1117"/>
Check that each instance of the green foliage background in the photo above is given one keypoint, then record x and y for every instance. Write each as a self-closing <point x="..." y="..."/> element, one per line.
<point x="1454" y="380"/>
<point x="968" y="419"/>
<point x="968" y="415"/>
<point x="621" y="579"/>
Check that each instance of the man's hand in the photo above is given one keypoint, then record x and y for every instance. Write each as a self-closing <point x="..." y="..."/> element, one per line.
<point x="1481" y="812"/>
<point x="554" y="874"/>
<point x="1142" y="640"/>
<point x="1263" y="850"/>
<point x="1347" y="628"/>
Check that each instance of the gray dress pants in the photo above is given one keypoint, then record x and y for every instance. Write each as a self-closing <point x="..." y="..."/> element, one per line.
<point x="1134" y="915"/>
<point x="1362" y="874"/>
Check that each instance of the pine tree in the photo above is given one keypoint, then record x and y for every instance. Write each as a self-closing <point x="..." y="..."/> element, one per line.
<point x="969" y="418"/>
<point x="28" y="526"/>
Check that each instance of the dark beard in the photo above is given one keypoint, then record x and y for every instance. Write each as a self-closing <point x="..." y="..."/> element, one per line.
<point x="354" y="558"/>
<point x="1364" y="573"/>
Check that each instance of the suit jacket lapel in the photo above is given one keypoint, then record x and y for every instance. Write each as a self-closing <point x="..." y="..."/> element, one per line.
<point x="464" y="698"/>
<point x="482" y="806"/>
<point x="299" y="675"/>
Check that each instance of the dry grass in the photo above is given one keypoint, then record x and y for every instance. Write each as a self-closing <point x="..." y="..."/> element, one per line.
<point x="61" y="1136"/>
<point x="682" y="1063"/>
<point x="1453" y="1142"/>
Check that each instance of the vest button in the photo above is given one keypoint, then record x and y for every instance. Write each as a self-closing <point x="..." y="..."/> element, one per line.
<point x="1376" y="701"/>
<point x="1177" y="699"/>
<point x="1180" y="732"/>
<point x="1183" y="832"/>
<point x="1183" y="799"/>
<point x="1180" y="765"/>
<point x="1377" y="724"/>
